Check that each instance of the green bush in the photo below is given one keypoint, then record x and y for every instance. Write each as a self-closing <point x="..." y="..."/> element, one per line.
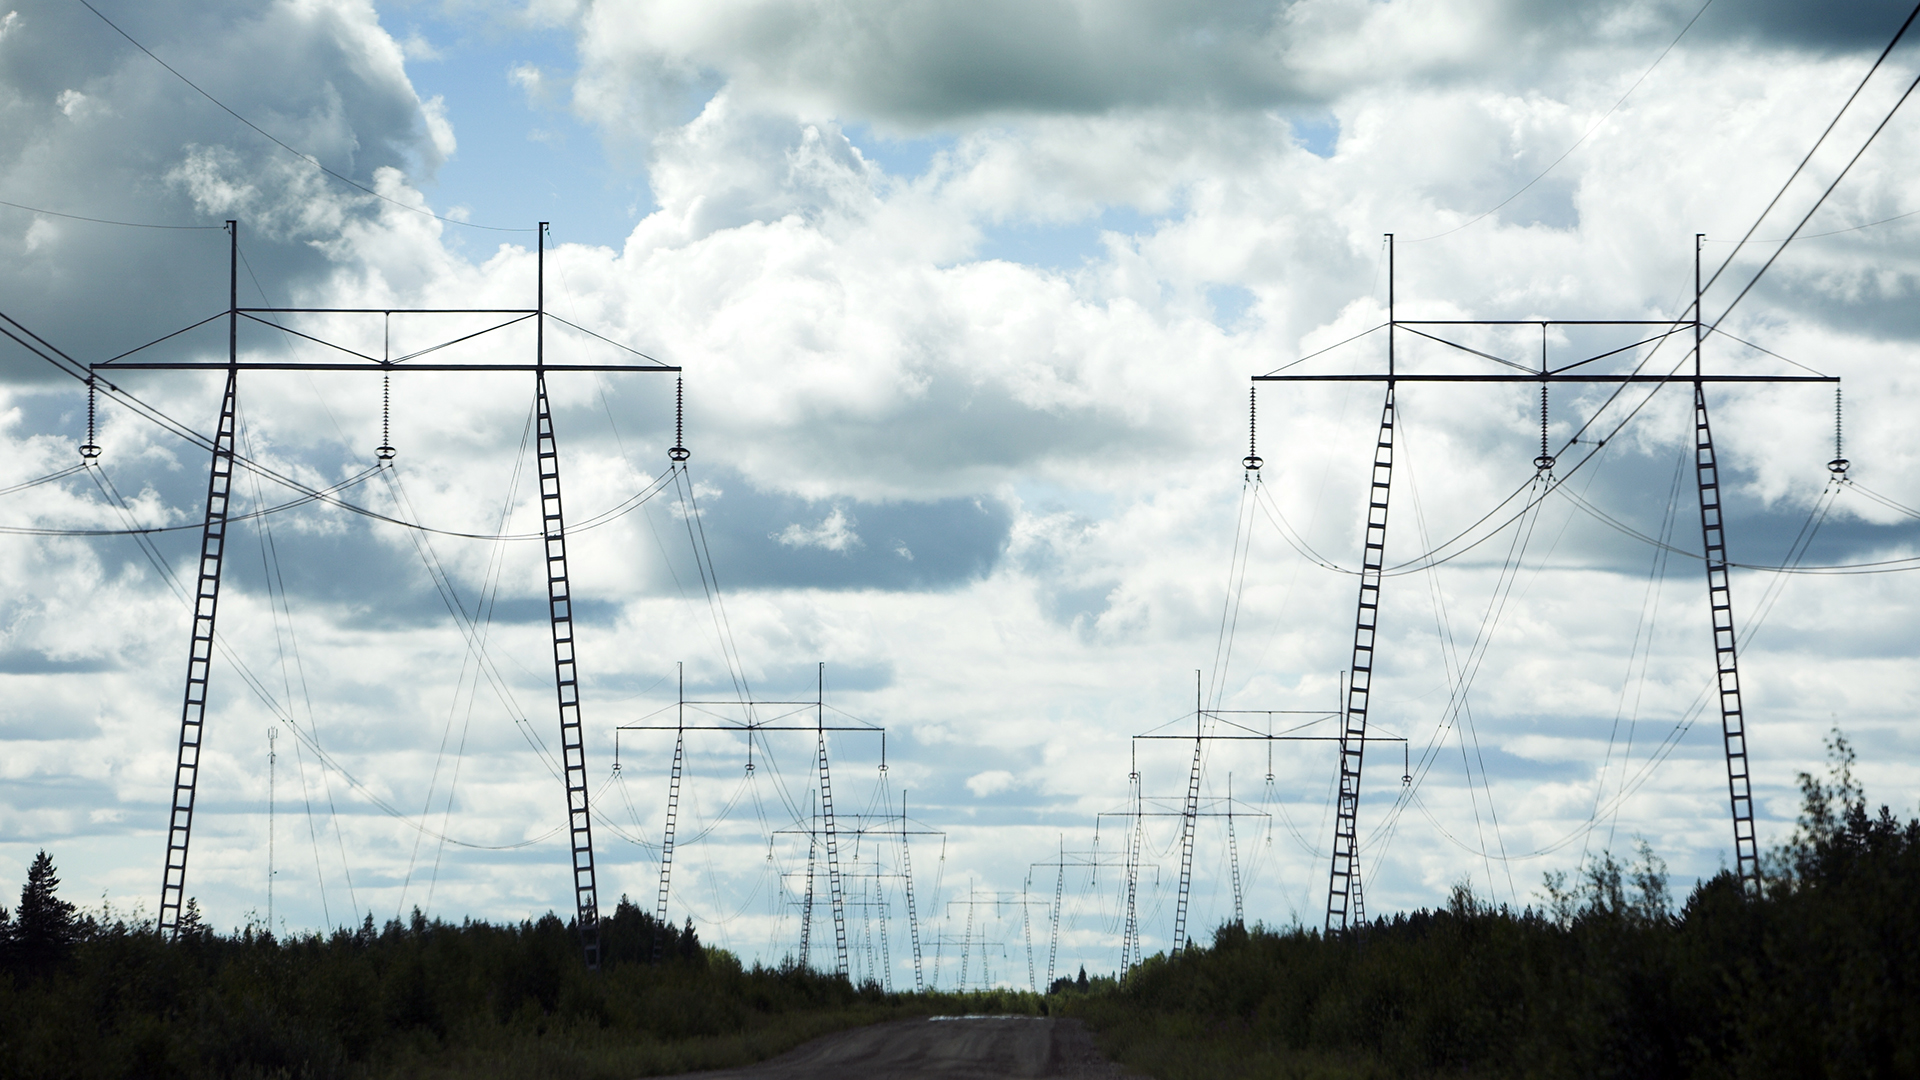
<point x="1819" y="976"/>
<point x="81" y="997"/>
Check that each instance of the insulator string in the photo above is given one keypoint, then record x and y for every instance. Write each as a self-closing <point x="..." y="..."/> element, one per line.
<point x="1545" y="461"/>
<point x="385" y="450"/>
<point x="1838" y="466"/>
<point x="679" y="451"/>
<point x="1252" y="461"/>
<point x="89" y="449"/>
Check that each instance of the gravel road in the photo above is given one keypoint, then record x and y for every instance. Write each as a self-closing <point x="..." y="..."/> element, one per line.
<point x="941" y="1048"/>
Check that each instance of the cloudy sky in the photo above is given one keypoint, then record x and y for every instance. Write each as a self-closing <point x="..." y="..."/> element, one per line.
<point x="967" y="298"/>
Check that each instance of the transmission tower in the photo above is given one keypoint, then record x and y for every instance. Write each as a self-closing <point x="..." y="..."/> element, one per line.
<point x="1141" y="807"/>
<point x="1343" y="877"/>
<point x="213" y="543"/>
<point x="998" y="901"/>
<point x="888" y="827"/>
<point x="1066" y="859"/>
<point x="821" y="839"/>
<point x="1227" y="730"/>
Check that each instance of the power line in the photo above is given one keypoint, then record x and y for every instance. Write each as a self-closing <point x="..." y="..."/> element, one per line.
<point x="1817" y="203"/>
<point x="1582" y="139"/>
<point x="308" y="158"/>
<point x="1797" y="169"/>
<point x="105" y="221"/>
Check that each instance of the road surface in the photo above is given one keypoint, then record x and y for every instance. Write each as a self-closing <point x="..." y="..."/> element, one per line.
<point x="942" y="1048"/>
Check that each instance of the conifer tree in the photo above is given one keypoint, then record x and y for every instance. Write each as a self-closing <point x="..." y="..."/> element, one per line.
<point x="43" y="931"/>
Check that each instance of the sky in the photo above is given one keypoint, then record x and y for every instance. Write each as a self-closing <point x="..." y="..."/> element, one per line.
<point x="967" y="299"/>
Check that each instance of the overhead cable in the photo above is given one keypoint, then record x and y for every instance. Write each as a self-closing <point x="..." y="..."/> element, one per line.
<point x="1582" y="139"/>
<point x="107" y="221"/>
<point x="1798" y="169"/>
<point x="307" y="158"/>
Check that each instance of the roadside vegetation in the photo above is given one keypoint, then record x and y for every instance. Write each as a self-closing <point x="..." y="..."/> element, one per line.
<point x="88" y="996"/>
<point x="1605" y="978"/>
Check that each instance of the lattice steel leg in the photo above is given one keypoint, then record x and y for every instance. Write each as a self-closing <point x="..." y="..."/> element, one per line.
<point x="913" y="914"/>
<point x="806" y="906"/>
<point x="1053" y="935"/>
<point x="666" y="847"/>
<point x="1130" y="939"/>
<point x="1026" y="927"/>
<point x="1726" y="657"/>
<point x="193" y="713"/>
<point x="886" y="952"/>
<point x="1343" y="881"/>
<point x="566" y="684"/>
<point x="1189" y="817"/>
<point x="833" y="863"/>
<point x="1233" y="861"/>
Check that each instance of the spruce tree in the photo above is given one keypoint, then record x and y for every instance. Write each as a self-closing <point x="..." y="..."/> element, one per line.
<point x="43" y="931"/>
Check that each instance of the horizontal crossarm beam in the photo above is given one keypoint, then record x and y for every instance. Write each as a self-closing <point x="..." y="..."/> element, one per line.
<point x="809" y="703"/>
<point x="1543" y="322"/>
<point x="862" y="830"/>
<point x="383" y="311"/>
<point x="1277" y="738"/>
<point x="1403" y="377"/>
<point x="372" y="365"/>
<point x="1182" y="813"/>
<point x="744" y="727"/>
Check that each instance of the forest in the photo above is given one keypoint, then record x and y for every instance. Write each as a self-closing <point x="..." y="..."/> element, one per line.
<point x="1818" y="975"/>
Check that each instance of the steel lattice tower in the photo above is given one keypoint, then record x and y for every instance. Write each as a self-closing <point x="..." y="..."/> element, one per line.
<point x="1344" y="880"/>
<point x="213" y="538"/>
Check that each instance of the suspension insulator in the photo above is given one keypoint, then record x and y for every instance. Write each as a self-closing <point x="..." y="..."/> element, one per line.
<point x="88" y="450"/>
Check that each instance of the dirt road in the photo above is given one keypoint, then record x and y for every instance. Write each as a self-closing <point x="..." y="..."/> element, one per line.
<point x="942" y="1048"/>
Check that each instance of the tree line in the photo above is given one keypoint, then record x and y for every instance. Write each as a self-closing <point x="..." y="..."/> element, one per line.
<point x="1819" y="975"/>
<point x="85" y="996"/>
